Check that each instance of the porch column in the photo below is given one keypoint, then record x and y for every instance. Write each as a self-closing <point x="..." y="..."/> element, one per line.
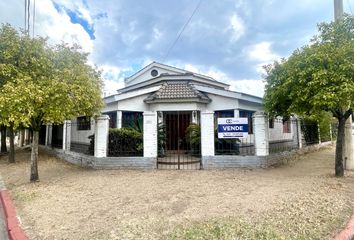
<point x="150" y="134"/>
<point x="236" y="113"/>
<point x="119" y="119"/>
<point x="21" y="134"/>
<point x="101" y="136"/>
<point x="299" y="134"/>
<point x="66" y="135"/>
<point x="261" y="135"/>
<point x="26" y="137"/>
<point x="207" y="136"/>
<point x="48" y="134"/>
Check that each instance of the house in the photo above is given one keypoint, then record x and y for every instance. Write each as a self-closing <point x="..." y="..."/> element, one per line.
<point x="178" y="97"/>
<point x="176" y="114"/>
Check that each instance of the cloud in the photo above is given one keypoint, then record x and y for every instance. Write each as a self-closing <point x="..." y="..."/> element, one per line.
<point x="226" y="39"/>
<point x="249" y="86"/>
<point x="261" y="52"/>
<point x="237" y="26"/>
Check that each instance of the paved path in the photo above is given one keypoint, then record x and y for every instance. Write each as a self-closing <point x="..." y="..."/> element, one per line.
<point x="3" y="229"/>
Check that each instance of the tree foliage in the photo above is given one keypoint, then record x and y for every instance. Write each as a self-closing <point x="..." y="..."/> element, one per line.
<point x="44" y="84"/>
<point x="317" y="77"/>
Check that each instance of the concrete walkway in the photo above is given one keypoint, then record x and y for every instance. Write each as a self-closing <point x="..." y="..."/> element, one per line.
<point x="3" y="228"/>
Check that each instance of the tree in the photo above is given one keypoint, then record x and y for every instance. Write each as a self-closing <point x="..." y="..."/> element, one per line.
<point x="9" y="49"/>
<point x="50" y="84"/>
<point x="318" y="77"/>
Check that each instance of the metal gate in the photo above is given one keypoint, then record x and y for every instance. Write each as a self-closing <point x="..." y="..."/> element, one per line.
<point x="179" y="141"/>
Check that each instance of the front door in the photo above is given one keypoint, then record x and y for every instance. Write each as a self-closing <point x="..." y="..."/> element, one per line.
<point x="179" y="152"/>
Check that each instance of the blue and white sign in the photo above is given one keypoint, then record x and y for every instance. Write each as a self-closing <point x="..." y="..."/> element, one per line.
<point x="232" y="127"/>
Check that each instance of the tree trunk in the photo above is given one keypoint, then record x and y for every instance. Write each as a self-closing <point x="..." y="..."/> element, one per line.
<point x="339" y="168"/>
<point x="34" y="157"/>
<point x="12" y="145"/>
<point x="3" y="139"/>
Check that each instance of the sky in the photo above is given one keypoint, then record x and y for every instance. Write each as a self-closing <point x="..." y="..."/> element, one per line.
<point x="229" y="40"/>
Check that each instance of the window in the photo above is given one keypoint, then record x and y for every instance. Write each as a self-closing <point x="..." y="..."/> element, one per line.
<point x="286" y="126"/>
<point x="132" y="119"/>
<point x="83" y="123"/>
<point x="271" y="122"/>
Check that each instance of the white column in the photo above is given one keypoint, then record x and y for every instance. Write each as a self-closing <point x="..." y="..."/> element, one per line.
<point x="26" y="137"/>
<point x="48" y="135"/>
<point x="261" y="136"/>
<point x="150" y="133"/>
<point x="101" y="136"/>
<point x="207" y="133"/>
<point x="299" y="133"/>
<point x="66" y="135"/>
<point x="236" y="113"/>
<point x="119" y="119"/>
<point x="20" y="139"/>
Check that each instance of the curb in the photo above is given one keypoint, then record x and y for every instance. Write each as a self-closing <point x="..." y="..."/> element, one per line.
<point x="14" y="230"/>
<point x="348" y="232"/>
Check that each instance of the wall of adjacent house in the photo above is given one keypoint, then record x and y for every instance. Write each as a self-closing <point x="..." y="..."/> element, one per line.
<point x="277" y="132"/>
<point x="81" y="136"/>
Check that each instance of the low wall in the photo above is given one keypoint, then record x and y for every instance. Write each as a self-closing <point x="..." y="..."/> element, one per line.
<point x="208" y="162"/>
<point x="237" y="161"/>
<point x="105" y="162"/>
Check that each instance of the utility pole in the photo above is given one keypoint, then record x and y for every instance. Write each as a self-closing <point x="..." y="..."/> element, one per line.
<point x="338" y="9"/>
<point x="348" y="148"/>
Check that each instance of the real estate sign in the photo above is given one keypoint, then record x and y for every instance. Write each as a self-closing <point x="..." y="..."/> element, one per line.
<point x="232" y="127"/>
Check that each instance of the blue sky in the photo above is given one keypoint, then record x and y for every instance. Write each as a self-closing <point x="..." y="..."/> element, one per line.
<point x="229" y="40"/>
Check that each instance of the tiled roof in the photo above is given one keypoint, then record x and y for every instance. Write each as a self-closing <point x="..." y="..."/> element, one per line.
<point x="178" y="90"/>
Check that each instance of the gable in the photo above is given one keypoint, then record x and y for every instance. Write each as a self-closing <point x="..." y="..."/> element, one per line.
<point x="151" y="71"/>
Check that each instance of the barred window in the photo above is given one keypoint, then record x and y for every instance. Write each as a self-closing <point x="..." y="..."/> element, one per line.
<point x="83" y="123"/>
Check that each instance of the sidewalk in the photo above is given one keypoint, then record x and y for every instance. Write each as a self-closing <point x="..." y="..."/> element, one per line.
<point x="3" y="228"/>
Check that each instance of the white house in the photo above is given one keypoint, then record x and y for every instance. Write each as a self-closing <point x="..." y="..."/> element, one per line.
<point x="176" y="99"/>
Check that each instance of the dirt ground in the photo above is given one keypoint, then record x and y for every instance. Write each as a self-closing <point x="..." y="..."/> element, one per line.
<point x="301" y="199"/>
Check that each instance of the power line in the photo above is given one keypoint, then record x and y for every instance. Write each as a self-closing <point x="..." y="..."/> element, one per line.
<point x="181" y="31"/>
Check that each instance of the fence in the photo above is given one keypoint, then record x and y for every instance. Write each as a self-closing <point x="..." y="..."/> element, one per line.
<point x="283" y="135"/>
<point x="79" y="134"/>
<point x="228" y="146"/>
<point x="129" y="146"/>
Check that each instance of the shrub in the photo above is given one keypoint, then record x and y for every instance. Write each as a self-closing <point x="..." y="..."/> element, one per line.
<point x="121" y="142"/>
<point x="125" y="142"/>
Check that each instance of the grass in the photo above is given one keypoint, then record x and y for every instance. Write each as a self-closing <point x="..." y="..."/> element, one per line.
<point x="301" y="220"/>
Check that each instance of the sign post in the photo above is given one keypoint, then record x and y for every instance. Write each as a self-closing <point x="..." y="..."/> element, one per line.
<point x="232" y="127"/>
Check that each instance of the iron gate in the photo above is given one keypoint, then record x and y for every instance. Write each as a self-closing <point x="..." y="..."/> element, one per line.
<point x="179" y="141"/>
